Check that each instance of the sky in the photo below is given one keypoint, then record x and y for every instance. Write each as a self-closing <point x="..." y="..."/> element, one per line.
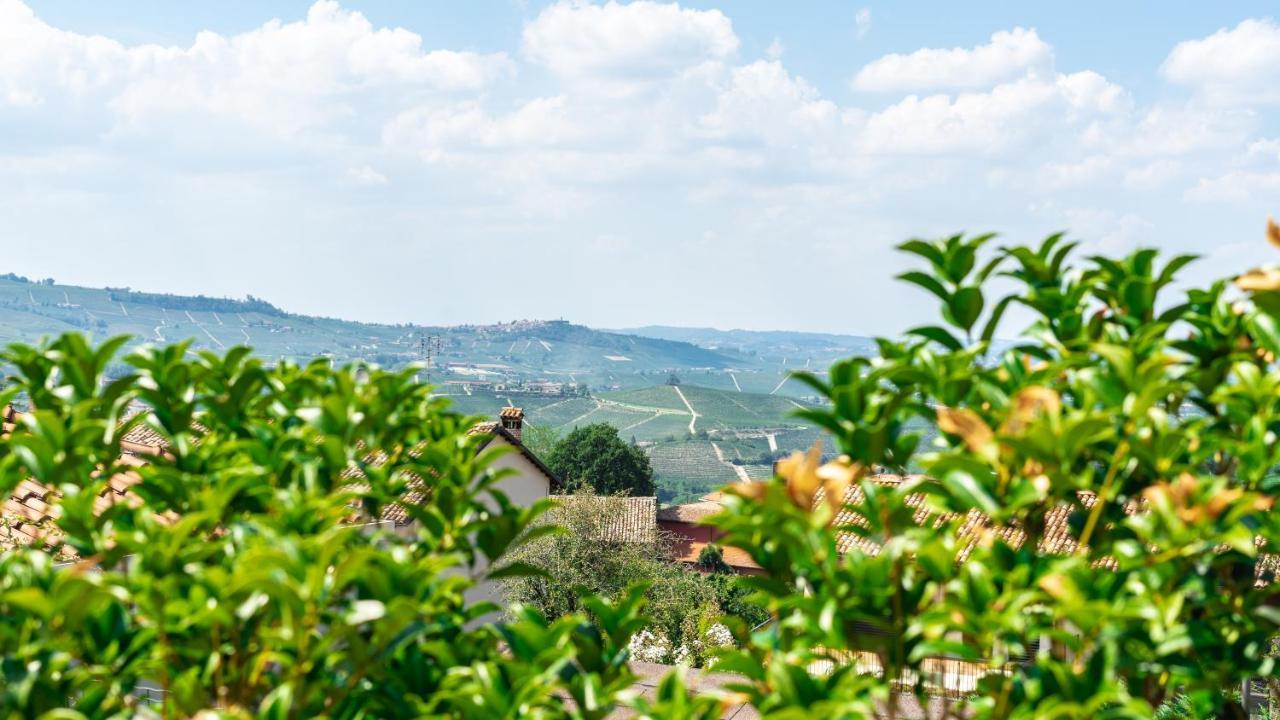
<point x="727" y="164"/>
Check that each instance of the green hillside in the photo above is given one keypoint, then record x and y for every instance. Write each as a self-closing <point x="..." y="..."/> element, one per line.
<point x="735" y="435"/>
<point x="521" y="351"/>
<point x="563" y="375"/>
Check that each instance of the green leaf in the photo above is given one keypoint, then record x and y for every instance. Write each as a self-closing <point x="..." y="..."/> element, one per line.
<point x="965" y="306"/>
<point x="963" y="480"/>
<point x="928" y="282"/>
<point x="993" y="322"/>
<point x="1265" y="330"/>
<point x="938" y="335"/>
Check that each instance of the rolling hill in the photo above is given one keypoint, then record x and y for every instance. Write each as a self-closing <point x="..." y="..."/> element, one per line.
<point x="727" y="419"/>
<point x="520" y="350"/>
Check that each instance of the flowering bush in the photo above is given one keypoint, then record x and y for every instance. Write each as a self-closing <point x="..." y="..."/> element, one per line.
<point x="651" y="646"/>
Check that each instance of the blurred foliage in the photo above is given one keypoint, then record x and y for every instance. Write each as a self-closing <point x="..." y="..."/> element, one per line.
<point x="1093" y="528"/>
<point x="243" y="579"/>
<point x="1093" y="524"/>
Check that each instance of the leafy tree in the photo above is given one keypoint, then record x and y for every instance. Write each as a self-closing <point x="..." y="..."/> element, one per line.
<point x="1105" y="484"/>
<point x="595" y="456"/>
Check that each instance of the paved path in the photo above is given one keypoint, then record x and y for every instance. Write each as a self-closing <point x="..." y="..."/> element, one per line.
<point x="735" y="381"/>
<point x="784" y="382"/>
<point x="693" y="421"/>
<point x="640" y="408"/>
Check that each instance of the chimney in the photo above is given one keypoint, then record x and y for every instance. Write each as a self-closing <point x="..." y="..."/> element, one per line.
<point x="512" y="421"/>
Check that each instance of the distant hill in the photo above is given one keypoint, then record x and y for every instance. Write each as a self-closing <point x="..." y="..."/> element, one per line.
<point x="737" y="382"/>
<point x="794" y="349"/>
<point x="527" y="350"/>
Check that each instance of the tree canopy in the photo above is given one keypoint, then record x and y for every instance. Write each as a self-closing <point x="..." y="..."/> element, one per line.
<point x="595" y="456"/>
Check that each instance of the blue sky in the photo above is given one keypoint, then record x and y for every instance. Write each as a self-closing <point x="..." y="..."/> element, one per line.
<point x="736" y="164"/>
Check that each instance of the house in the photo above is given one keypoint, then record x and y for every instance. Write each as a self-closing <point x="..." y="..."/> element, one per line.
<point x="684" y="525"/>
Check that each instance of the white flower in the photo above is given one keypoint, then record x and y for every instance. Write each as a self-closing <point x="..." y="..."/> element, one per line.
<point x="650" y="645"/>
<point x="682" y="654"/>
<point x="717" y="636"/>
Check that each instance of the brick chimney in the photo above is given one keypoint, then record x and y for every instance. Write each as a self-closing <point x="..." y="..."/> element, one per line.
<point x="512" y="421"/>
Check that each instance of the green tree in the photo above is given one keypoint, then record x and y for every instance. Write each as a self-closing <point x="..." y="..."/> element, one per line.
<point x="595" y="456"/>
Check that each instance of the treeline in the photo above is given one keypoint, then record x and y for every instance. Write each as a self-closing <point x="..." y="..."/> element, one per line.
<point x="199" y="303"/>
<point x="24" y="279"/>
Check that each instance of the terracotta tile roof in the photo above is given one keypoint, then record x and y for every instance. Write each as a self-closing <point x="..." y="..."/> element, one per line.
<point x="28" y="515"/>
<point x="483" y="428"/>
<point x="735" y="558"/>
<point x="689" y="512"/>
<point x="141" y="438"/>
<point x="622" y="519"/>
<point x="419" y="490"/>
<point x="1057" y="539"/>
<point x="511" y="412"/>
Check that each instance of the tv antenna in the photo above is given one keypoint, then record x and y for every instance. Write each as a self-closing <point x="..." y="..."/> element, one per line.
<point x="429" y="346"/>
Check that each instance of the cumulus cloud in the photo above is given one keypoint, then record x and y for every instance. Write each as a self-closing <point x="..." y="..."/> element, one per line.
<point x="626" y="130"/>
<point x="366" y="176"/>
<point x="1240" y="65"/>
<point x="1006" y="117"/>
<point x="282" y="77"/>
<point x="762" y="100"/>
<point x="1238" y="187"/>
<point x="637" y="41"/>
<point x="1010" y="55"/>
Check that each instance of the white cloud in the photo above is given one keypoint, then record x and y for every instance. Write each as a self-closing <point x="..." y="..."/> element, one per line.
<point x="862" y="23"/>
<point x="1238" y="187"/>
<point x="637" y="41"/>
<point x="993" y="122"/>
<point x="1241" y="65"/>
<point x="1266" y="149"/>
<point x="618" y="130"/>
<point x="1010" y="55"/>
<point x="764" y="101"/>
<point x="282" y="77"/>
